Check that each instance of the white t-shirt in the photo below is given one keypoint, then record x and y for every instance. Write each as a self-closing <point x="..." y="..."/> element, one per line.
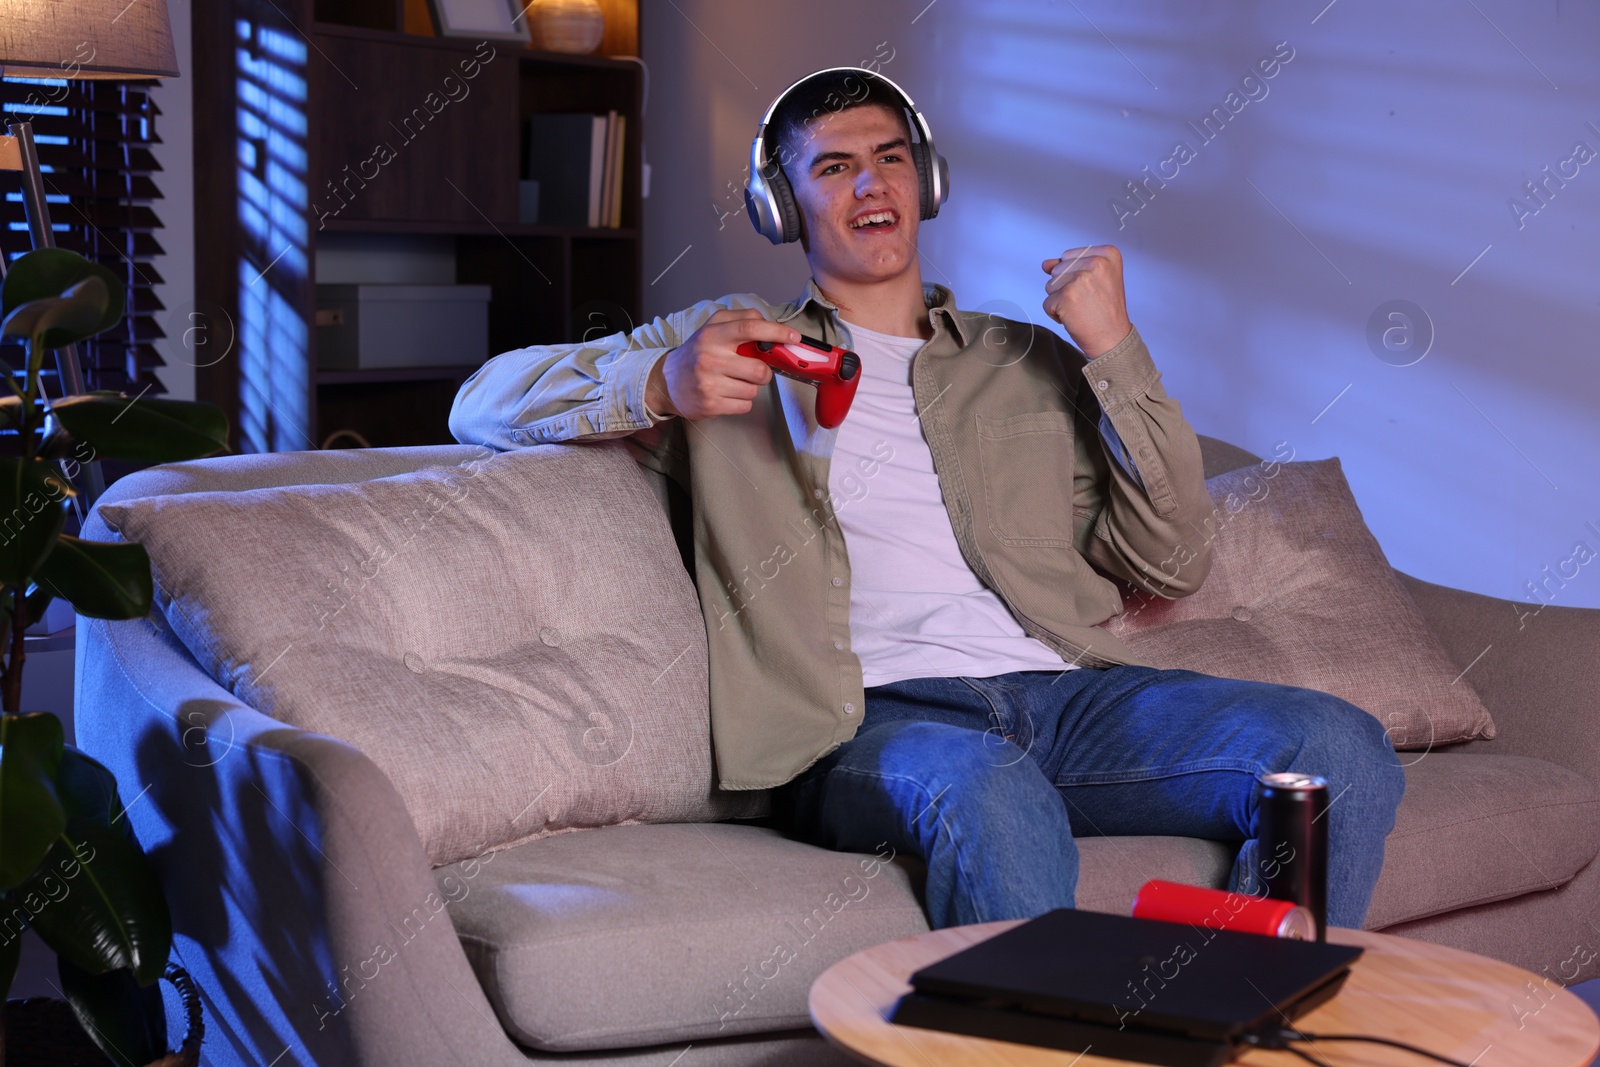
<point x="916" y="608"/>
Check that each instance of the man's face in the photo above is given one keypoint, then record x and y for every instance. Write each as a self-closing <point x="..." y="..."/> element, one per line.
<point x="854" y="166"/>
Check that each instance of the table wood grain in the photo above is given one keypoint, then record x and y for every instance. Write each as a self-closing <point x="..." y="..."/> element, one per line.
<point x="1468" y="1007"/>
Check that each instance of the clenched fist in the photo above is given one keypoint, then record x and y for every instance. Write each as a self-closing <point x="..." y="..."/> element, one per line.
<point x="1084" y="294"/>
<point x="705" y="376"/>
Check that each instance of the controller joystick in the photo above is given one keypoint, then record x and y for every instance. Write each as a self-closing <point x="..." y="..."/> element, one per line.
<point x="834" y="371"/>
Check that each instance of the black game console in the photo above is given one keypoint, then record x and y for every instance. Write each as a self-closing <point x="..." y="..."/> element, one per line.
<point x="1135" y="989"/>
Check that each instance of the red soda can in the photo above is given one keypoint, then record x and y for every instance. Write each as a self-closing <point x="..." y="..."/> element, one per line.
<point x="1216" y="909"/>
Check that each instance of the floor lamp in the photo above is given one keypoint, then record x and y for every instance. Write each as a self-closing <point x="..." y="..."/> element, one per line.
<point x="51" y="39"/>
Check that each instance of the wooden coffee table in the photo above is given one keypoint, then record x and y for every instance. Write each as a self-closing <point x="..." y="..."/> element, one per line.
<point x="1454" y="1003"/>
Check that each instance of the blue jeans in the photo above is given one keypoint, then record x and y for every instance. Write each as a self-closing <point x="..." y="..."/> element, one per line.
<point x="990" y="780"/>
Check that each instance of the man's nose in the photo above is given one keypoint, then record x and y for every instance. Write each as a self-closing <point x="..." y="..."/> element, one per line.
<point x="870" y="181"/>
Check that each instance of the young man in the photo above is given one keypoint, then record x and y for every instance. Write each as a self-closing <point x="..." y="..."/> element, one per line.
<point x="903" y="611"/>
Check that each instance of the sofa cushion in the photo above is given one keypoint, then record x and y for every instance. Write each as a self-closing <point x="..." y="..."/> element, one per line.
<point x="513" y="640"/>
<point x="1111" y="869"/>
<point x="1299" y="593"/>
<point x="1478" y="828"/>
<point x="639" y="935"/>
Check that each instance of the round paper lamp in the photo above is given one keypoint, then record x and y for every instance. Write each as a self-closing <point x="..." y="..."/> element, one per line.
<point x="568" y="25"/>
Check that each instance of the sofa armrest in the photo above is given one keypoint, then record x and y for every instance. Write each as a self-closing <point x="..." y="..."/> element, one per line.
<point x="302" y="900"/>
<point x="1536" y="671"/>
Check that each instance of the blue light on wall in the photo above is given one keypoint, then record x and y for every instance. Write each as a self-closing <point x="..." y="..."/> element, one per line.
<point x="1383" y="160"/>
<point x="1422" y="152"/>
<point x="274" y="339"/>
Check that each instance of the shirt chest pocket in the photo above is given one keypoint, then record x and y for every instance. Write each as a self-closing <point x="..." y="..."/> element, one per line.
<point x="1028" y="472"/>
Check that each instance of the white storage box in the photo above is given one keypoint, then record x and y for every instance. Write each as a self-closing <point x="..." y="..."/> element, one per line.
<point x="363" y="327"/>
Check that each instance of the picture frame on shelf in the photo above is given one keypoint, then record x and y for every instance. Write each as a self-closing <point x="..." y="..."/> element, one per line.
<point x="496" y="20"/>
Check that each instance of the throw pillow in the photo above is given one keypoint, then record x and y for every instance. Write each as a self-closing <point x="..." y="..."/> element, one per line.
<point x="1299" y="593"/>
<point x="513" y="640"/>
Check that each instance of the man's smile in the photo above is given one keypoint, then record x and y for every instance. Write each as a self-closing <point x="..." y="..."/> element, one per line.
<point x="876" y="220"/>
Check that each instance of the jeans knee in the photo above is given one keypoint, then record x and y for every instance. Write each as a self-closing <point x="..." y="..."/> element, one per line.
<point x="1328" y="725"/>
<point x="1348" y="745"/>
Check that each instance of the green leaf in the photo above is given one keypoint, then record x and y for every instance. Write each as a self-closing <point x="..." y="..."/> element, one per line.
<point x="38" y="602"/>
<point x="59" y="320"/>
<point x="155" y="431"/>
<point x="57" y="445"/>
<point x="88" y="790"/>
<point x="10" y="953"/>
<point x="32" y="495"/>
<point x="101" y="579"/>
<point x="127" y="1021"/>
<point x="50" y="272"/>
<point x="107" y="909"/>
<point x="31" y="814"/>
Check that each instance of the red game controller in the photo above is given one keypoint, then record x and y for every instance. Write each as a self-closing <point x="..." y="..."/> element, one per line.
<point x="834" y="371"/>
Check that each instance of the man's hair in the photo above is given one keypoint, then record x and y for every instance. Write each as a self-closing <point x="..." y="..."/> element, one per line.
<point x="789" y="131"/>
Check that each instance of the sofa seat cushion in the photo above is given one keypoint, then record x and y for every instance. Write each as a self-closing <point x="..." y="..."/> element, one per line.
<point x="1479" y="828"/>
<point x="1111" y="869"/>
<point x="513" y="640"/>
<point x="641" y="935"/>
<point x="1299" y="593"/>
<point x="637" y="935"/>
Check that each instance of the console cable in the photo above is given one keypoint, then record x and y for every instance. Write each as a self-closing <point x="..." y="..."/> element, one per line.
<point x="1283" y="1037"/>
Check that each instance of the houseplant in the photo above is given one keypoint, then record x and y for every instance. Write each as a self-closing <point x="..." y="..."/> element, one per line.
<point x="70" y="867"/>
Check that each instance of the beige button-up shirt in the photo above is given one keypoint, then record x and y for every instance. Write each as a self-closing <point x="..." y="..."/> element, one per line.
<point x="1041" y="509"/>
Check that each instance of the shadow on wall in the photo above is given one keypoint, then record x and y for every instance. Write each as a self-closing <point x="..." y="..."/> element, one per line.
<point x="268" y="929"/>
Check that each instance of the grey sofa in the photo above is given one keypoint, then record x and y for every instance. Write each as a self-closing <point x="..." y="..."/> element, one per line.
<point x="291" y="863"/>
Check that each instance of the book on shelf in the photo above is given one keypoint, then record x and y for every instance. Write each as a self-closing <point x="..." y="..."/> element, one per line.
<point x="577" y="160"/>
<point x="612" y="127"/>
<point x="597" y="164"/>
<point x="558" y="152"/>
<point x="619" y="125"/>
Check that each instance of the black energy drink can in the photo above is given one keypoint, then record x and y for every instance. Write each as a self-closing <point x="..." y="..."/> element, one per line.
<point x="1292" y="842"/>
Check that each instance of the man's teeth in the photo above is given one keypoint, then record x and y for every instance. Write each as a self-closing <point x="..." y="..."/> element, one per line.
<point x="876" y="216"/>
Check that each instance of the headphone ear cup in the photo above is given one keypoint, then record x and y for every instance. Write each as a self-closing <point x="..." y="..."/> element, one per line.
<point x="787" y="214"/>
<point x="925" y="201"/>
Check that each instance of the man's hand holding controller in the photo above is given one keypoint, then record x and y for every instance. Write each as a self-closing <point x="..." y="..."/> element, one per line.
<point x="706" y="376"/>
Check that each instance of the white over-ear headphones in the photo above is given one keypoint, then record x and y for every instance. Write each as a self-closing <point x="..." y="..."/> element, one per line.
<point x="768" y="197"/>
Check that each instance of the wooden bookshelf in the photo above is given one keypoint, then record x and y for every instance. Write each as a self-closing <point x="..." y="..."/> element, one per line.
<point x="292" y="99"/>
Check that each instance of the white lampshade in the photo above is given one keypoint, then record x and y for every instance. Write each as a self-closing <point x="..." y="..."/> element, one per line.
<point x="86" y="39"/>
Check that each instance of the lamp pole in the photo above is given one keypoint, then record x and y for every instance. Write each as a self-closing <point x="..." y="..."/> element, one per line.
<point x="39" y="228"/>
<point x="68" y="370"/>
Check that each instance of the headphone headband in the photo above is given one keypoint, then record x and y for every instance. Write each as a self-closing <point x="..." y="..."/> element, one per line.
<point x="769" y="199"/>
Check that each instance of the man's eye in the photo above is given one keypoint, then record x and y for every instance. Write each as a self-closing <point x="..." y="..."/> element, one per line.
<point x="891" y="158"/>
<point x="830" y="170"/>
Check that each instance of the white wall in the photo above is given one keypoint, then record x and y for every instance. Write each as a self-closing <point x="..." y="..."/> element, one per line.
<point x="1377" y="166"/>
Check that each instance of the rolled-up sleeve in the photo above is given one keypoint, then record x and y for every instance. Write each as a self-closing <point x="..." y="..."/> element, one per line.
<point x="589" y="390"/>
<point x="548" y="393"/>
<point x="1156" y="501"/>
